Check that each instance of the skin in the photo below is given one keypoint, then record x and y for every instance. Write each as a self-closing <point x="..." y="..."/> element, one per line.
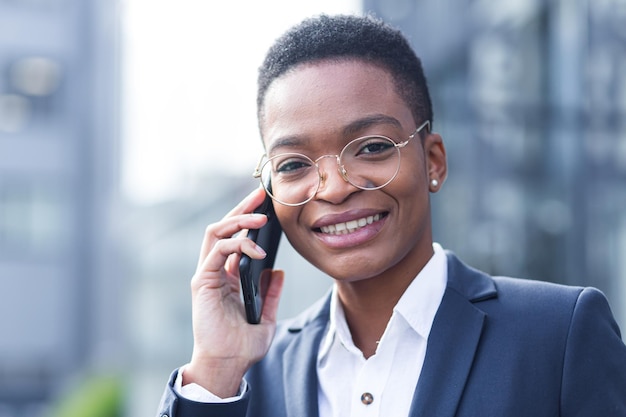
<point x="315" y="109"/>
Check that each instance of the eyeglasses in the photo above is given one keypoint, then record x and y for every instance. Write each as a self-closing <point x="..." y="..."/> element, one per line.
<point x="368" y="163"/>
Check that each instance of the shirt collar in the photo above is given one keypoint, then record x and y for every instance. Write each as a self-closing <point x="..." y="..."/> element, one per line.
<point x="417" y="306"/>
<point x="420" y="302"/>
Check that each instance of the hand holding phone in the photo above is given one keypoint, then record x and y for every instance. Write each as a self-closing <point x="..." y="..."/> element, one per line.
<point x="254" y="273"/>
<point x="222" y="353"/>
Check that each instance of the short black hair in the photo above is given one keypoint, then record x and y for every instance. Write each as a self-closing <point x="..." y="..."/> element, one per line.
<point x="349" y="37"/>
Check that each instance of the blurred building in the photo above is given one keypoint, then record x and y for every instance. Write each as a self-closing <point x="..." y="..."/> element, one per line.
<point x="58" y="144"/>
<point x="530" y="98"/>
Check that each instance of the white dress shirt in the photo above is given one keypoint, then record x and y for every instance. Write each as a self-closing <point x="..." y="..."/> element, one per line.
<point x="383" y="384"/>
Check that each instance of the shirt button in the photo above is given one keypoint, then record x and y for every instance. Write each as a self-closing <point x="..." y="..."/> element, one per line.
<point x="367" y="398"/>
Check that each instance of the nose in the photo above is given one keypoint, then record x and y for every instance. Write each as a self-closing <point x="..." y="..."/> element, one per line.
<point x="334" y="186"/>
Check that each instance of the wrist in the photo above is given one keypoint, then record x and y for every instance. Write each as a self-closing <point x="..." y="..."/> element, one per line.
<point x="220" y="377"/>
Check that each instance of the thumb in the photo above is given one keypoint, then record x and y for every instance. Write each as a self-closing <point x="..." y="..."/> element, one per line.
<point x="272" y="296"/>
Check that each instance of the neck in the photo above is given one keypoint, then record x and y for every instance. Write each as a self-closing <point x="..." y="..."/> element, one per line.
<point x="367" y="315"/>
<point x="368" y="304"/>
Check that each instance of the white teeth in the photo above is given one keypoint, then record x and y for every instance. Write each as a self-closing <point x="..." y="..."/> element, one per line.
<point x="350" y="226"/>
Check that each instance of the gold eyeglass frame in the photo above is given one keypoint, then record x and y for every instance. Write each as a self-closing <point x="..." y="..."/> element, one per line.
<point x="344" y="174"/>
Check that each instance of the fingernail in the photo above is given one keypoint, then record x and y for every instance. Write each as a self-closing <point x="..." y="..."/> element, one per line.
<point x="260" y="250"/>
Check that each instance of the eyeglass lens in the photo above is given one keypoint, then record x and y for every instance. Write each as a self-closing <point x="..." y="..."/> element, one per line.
<point x="368" y="163"/>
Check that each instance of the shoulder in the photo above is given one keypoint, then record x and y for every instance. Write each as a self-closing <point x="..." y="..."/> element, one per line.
<point x="560" y="341"/>
<point x="517" y="304"/>
<point x="541" y="306"/>
<point x="550" y="299"/>
<point x="519" y="293"/>
<point x="535" y="292"/>
<point x="535" y="303"/>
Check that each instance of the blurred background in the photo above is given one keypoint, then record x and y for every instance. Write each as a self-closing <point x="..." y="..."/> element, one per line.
<point x="128" y="126"/>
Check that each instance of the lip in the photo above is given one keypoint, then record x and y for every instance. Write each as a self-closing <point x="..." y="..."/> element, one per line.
<point x="330" y="219"/>
<point x="359" y="233"/>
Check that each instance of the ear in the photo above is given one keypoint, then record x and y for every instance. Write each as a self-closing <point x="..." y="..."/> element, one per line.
<point x="436" y="163"/>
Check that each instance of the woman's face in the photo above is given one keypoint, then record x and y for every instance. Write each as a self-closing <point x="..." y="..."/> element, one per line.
<point x="316" y="109"/>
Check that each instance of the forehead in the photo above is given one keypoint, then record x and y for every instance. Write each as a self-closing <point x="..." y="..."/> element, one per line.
<point x="321" y="99"/>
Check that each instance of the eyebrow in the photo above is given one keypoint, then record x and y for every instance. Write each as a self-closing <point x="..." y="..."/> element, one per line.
<point x="359" y="125"/>
<point x="352" y="129"/>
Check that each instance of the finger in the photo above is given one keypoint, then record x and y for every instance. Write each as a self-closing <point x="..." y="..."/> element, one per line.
<point x="232" y="263"/>
<point x="227" y="228"/>
<point x="224" y="248"/>
<point x="272" y="296"/>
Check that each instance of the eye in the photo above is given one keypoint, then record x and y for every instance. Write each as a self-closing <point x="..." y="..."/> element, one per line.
<point x="290" y="164"/>
<point x="372" y="147"/>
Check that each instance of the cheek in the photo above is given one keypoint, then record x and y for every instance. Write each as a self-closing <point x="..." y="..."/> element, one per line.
<point x="298" y="237"/>
<point x="412" y="177"/>
<point x="288" y="217"/>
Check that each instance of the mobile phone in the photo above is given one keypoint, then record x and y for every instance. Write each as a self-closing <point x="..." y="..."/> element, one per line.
<point x="255" y="273"/>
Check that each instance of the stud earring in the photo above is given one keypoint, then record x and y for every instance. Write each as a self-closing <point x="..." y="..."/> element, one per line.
<point x="434" y="183"/>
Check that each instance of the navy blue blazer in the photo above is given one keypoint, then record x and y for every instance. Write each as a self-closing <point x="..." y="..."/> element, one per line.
<point x="498" y="347"/>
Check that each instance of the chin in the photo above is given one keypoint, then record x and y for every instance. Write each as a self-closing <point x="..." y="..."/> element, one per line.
<point x="349" y="269"/>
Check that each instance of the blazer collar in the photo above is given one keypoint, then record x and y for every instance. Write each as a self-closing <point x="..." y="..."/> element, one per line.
<point x="470" y="283"/>
<point x="300" y="359"/>
<point x="450" y="353"/>
<point x="453" y="341"/>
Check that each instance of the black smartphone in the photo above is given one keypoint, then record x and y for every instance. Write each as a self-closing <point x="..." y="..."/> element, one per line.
<point x="254" y="273"/>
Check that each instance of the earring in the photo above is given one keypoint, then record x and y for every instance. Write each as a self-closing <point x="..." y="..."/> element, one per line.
<point x="434" y="183"/>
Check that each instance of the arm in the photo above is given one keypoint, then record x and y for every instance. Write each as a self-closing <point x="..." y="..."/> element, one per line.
<point x="225" y="345"/>
<point x="594" y="373"/>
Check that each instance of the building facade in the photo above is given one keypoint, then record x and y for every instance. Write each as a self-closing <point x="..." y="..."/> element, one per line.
<point x="58" y="144"/>
<point x="530" y="97"/>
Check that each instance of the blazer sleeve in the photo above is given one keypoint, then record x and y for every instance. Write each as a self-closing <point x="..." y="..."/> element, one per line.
<point x="173" y="405"/>
<point x="594" y="371"/>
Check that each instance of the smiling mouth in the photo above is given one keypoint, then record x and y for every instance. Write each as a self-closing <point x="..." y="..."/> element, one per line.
<point x="351" y="226"/>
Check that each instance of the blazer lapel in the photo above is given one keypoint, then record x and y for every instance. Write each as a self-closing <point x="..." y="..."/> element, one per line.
<point x="300" y="363"/>
<point x="452" y="343"/>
